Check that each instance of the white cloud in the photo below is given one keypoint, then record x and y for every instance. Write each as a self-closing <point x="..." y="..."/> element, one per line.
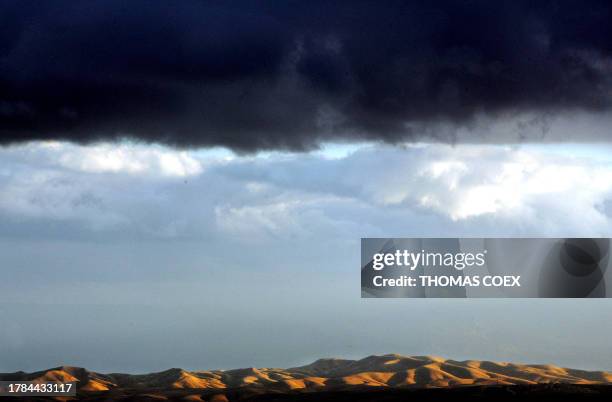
<point x="287" y="216"/>
<point x="125" y="158"/>
<point x="517" y="188"/>
<point x="129" y="159"/>
<point x="509" y="182"/>
<point x="372" y="190"/>
<point x="251" y="222"/>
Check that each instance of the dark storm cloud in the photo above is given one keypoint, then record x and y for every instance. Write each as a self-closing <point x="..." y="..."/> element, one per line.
<point x="257" y="75"/>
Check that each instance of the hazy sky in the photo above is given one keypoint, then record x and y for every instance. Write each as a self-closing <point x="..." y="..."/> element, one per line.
<point x="186" y="183"/>
<point x="128" y="257"/>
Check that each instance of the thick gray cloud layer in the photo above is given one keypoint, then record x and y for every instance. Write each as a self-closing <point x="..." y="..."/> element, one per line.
<point x="265" y="75"/>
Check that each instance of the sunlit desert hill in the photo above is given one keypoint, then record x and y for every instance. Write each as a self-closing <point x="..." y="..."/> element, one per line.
<point x="324" y="375"/>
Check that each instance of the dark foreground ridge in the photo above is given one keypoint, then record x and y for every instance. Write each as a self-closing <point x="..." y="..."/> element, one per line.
<point x="498" y="393"/>
<point x="374" y="378"/>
